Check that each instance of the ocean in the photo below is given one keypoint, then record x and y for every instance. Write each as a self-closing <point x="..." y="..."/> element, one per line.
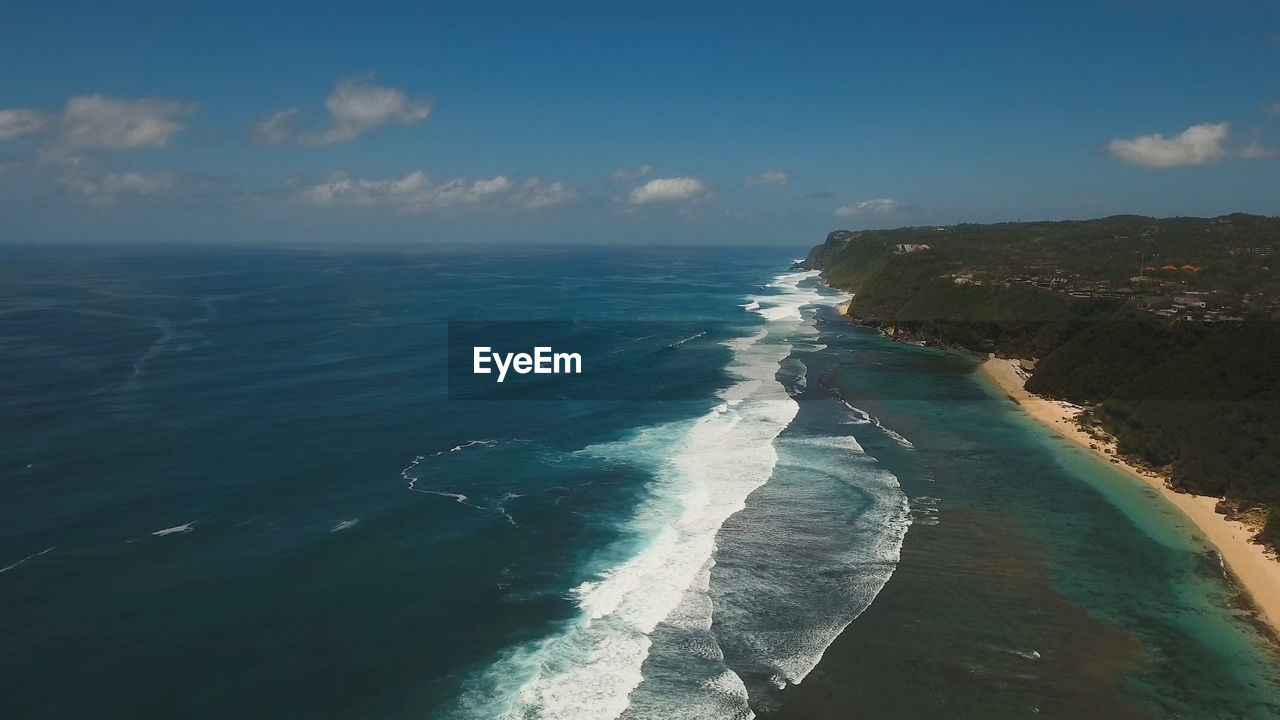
<point x="256" y="483"/>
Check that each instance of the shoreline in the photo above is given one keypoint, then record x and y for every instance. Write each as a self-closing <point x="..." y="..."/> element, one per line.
<point x="1256" y="571"/>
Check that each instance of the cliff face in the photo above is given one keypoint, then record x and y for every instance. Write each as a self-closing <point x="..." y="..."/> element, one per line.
<point x="835" y="242"/>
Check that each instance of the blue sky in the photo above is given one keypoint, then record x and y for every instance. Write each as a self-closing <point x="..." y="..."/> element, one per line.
<point x="635" y="122"/>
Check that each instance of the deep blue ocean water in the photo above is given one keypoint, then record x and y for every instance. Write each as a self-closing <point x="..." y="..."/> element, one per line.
<point x="234" y="483"/>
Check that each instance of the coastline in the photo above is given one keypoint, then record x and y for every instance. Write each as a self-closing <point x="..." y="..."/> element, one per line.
<point x="1256" y="571"/>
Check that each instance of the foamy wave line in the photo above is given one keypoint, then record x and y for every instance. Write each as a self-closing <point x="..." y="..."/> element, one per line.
<point x="890" y="545"/>
<point x="863" y="417"/>
<point x="787" y="304"/>
<point x="465" y="445"/>
<point x="588" y="670"/>
<point x="176" y="529"/>
<point x="678" y="343"/>
<point x="858" y="555"/>
<point x="896" y="437"/>
<point x="32" y="556"/>
<point x="407" y="473"/>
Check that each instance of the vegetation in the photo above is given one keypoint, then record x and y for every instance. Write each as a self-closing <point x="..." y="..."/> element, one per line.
<point x="1164" y="328"/>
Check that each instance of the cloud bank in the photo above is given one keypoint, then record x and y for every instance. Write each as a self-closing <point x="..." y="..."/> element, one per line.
<point x="15" y="123"/>
<point x="622" y="175"/>
<point x="416" y="192"/>
<point x="106" y="189"/>
<point x="1255" y="151"/>
<point x="667" y="190"/>
<point x="94" y="121"/>
<point x="875" y="206"/>
<point x="1197" y="145"/>
<point x="357" y="107"/>
<point x="275" y="129"/>
<point x="770" y="177"/>
<point x="111" y="185"/>
<point x="98" y="122"/>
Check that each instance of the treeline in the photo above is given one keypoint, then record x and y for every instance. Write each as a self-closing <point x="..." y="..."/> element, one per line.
<point x="1224" y="251"/>
<point x="1202" y="401"/>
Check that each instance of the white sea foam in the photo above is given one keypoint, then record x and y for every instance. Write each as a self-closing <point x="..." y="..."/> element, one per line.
<point x="32" y="556"/>
<point x="467" y="444"/>
<point x="830" y="509"/>
<point x="1024" y="654"/>
<point x="924" y="510"/>
<point x="896" y="437"/>
<point x="839" y="442"/>
<point x="857" y="416"/>
<point x="412" y="475"/>
<point x="862" y="417"/>
<point x="343" y="525"/>
<point x="787" y="304"/>
<point x="650" y="606"/>
<point x="678" y="343"/>
<point x="176" y="529"/>
<point x="852" y="552"/>
<point x="704" y="471"/>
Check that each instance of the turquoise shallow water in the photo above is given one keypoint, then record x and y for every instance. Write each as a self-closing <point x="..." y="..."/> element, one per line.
<point x="1106" y="545"/>
<point x="1194" y="624"/>
<point x="235" y="483"/>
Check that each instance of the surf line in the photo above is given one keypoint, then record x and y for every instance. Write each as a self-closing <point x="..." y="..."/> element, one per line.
<point x="408" y="475"/>
<point x="29" y="557"/>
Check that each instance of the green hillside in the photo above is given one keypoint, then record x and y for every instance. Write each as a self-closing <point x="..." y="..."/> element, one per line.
<point x="1165" y="328"/>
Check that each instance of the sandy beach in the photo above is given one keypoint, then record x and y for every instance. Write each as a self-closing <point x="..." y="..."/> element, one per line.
<point x="1248" y="562"/>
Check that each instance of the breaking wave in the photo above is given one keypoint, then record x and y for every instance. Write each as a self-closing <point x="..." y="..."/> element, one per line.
<point x="641" y="645"/>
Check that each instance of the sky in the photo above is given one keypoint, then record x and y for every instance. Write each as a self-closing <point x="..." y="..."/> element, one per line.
<point x="667" y="123"/>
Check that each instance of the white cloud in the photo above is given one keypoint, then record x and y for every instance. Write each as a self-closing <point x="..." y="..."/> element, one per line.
<point x="667" y="190"/>
<point x="622" y="175"/>
<point x="416" y="192"/>
<point x="137" y="183"/>
<point x="536" y="194"/>
<point x="14" y="123"/>
<point x="62" y="160"/>
<point x="1274" y="108"/>
<point x="98" y="122"/>
<point x="94" y="121"/>
<point x="461" y="192"/>
<point x="1197" y="145"/>
<point x="275" y="129"/>
<point x="357" y="107"/>
<point x="777" y="177"/>
<point x="876" y="206"/>
<point x="105" y="190"/>
<point x="1254" y="151"/>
